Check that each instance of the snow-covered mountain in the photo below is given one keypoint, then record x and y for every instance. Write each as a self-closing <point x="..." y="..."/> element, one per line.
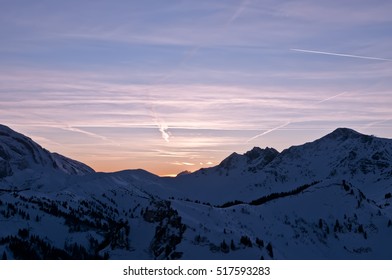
<point x="19" y="153"/>
<point x="328" y="199"/>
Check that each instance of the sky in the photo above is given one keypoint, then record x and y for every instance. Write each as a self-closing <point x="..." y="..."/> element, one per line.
<point x="178" y="85"/>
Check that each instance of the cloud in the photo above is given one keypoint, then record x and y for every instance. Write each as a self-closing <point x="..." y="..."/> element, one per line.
<point x="66" y="99"/>
<point x="206" y="119"/>
<point x="201" y="71"/>
<point x="341" y="54"/>
<point x="163" y="129"/>
<point x="345" y="13"/>
<point x="162" y="126"/>
<point x="183" y="163"/>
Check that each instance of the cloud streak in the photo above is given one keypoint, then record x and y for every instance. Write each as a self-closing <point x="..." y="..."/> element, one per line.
<point x="341" y="54"/>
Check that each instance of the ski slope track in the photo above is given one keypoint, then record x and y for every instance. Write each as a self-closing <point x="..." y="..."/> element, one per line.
<point x="327" y="199"/>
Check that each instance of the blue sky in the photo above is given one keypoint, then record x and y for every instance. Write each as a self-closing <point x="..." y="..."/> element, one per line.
<point x="174" y="85"/>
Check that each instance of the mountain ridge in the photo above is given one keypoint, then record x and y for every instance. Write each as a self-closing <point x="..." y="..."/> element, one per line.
<point x="19" y="152"/>
<point x="326" y="199"/>
<point x="339" y="134"/>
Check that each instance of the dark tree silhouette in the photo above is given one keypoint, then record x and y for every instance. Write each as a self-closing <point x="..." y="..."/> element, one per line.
<point x="270" y="251"/>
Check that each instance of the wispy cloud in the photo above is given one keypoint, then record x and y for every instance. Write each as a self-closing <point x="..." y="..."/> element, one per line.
<point x="161" y="124"/>
<point x="190" y="81"/>
<point x="52" y="99"/>
<point x="163" y="129"/>
<point x="183" y="163"/>
<point x="344" y="13"/>
<point x="341" y="54"/>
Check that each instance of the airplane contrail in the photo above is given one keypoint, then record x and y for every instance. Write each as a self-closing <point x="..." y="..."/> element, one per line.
<point x="239" y="11"/>
<point x="341" y="54"/>
<point x="159" y="122"/>
<point x="268" y="131"/>
<point x="74" y="129"/>
<point x="331" y="97"/>
<point x="375" y="123"/>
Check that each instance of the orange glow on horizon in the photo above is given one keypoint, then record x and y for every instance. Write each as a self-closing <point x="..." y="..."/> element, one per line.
<point x="169" y="170"/>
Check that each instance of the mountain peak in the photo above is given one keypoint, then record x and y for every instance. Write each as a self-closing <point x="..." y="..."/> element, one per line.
<point x="5" y="129"/>
<point x="182" y="173"/>
<point x="343" y="133"/>
<point x="254" y="153"/>
<point x="257" y="152"/>
<point x="19" y="152"/>
<point x="230" y="161"/>
<point x="254" y="159"/>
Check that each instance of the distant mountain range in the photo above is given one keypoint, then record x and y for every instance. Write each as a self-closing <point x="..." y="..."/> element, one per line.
<point x="328" y="199"/>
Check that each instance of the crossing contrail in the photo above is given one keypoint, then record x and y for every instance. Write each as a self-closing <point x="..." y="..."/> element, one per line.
<point x="341" y="54"/>
<point x="268" y="131"/>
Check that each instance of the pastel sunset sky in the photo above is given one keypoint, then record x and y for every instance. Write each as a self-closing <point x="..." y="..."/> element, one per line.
<point x="179" y="85"/>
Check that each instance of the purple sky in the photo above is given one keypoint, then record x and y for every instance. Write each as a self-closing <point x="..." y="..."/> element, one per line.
<point x="174" y="85"/>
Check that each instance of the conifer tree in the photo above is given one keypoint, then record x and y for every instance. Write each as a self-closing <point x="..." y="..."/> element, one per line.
<point x="232" y="245"/>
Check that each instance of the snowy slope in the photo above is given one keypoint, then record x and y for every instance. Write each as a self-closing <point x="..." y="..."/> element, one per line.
<point x="18" y="153"/>
<point x="341" y="155"/>
<point x="328" y="199"/>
